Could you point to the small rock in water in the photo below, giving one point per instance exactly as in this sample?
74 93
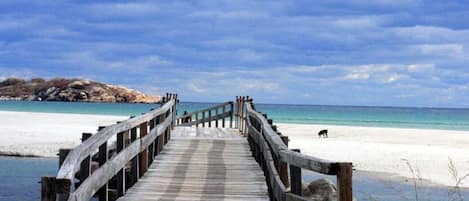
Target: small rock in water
321 190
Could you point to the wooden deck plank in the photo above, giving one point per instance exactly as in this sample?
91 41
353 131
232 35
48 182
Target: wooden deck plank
202 164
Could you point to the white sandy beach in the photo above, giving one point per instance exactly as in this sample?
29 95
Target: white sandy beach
42 134
384 149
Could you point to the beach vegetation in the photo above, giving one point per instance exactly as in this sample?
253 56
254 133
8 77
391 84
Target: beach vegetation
420 192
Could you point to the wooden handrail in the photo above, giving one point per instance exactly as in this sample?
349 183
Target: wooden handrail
104 173
138 152
207 116
74 158
206 109
270 151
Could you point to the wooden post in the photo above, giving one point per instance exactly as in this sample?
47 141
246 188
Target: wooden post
244 114
203 117
238 112
344 182
165 133
241 114
120 145
62 155
134 167
175 109
184 119
63 188
224 118
216 120
156 143
283 167
210 118
151 148
102 158
295 178
161 137
143 156
232 113
274 127
85 164
196 118
48 189
235 113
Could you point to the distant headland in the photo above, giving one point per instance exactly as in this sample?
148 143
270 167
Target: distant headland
70 90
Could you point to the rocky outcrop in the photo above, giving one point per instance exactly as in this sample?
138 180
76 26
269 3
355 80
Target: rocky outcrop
60 89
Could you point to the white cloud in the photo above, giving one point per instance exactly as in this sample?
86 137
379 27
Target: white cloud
421 67
259 85
305 69
194 88
123 9
354 23
430 34
392 78
364 72
237 14
92 59
250 55
441 49
357 76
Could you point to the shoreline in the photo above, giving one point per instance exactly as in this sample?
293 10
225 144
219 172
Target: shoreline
371 126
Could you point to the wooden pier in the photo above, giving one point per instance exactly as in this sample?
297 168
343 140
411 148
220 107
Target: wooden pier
227 152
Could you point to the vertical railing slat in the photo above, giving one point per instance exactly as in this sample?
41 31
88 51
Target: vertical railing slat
102 158
224 118
295 178
120 145
216 120
134 163
210 118
85 164
143 156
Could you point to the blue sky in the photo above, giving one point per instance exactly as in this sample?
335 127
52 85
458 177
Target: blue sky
358 52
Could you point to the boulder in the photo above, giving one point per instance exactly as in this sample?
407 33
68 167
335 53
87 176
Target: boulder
79 84
60 89
82 96
321 190
11 81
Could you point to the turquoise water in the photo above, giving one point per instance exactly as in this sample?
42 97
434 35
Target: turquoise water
126 109
400 117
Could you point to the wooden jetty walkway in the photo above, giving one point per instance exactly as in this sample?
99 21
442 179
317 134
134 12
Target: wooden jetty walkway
227 152
202 164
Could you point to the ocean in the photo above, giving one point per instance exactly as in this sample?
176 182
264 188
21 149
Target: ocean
20 176
396 117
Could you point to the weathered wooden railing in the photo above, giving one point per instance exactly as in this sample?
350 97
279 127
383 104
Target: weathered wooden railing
223 112
270 149
137 141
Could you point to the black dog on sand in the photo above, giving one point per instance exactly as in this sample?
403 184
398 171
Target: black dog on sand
323 133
